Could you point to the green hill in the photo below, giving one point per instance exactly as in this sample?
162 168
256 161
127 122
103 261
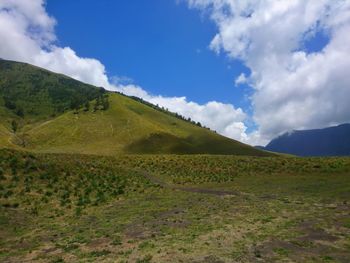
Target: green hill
54 113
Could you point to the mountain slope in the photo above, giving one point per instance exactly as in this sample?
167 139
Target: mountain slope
128 127
34 93
333 141
125 125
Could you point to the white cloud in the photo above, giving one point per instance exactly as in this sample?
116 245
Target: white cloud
216 115
27 34
293 89
241 79
121 80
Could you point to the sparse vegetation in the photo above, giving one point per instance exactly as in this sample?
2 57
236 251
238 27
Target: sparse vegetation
14 126
158 208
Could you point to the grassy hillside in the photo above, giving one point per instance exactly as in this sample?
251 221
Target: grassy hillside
131 127
34 93
170 208
54 113
6 133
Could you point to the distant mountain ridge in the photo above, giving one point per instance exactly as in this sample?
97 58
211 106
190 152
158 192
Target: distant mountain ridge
332 141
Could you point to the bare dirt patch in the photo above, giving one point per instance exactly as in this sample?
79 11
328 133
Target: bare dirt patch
173 218
314 243
157 181
209 259
99 242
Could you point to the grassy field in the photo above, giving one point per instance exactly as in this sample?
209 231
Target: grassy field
156 208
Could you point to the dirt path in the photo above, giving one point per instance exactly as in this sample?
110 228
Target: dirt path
189 189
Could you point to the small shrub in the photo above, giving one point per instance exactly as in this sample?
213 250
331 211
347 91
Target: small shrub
57 260
78 211
100 253
146 259
117 241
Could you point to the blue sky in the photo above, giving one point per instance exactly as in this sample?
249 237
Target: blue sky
161 45
250 77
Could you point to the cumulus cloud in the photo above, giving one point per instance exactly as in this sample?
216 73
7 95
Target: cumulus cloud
241 79
224 117
293 88
27 34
